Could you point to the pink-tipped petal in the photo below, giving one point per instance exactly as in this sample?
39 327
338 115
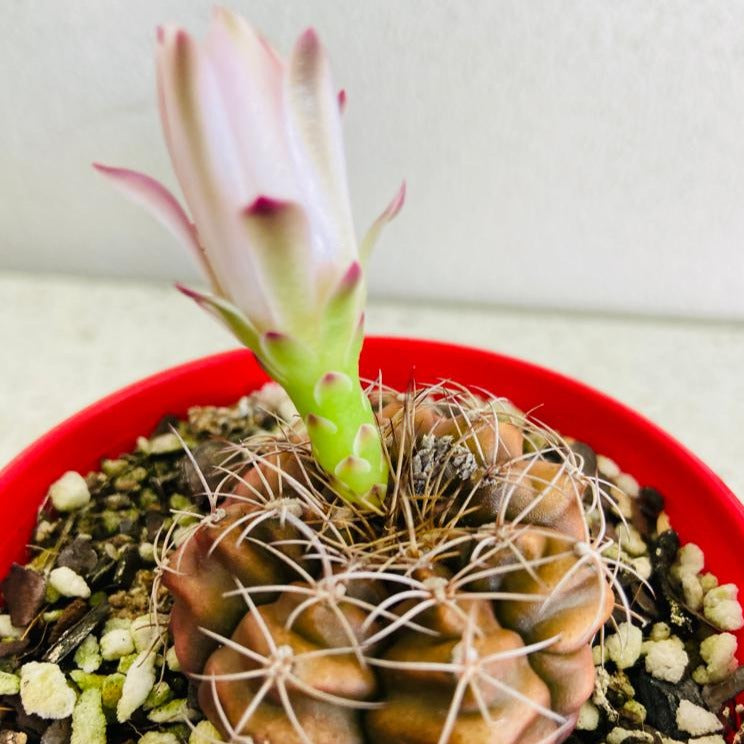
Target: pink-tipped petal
224 311
156 199
279 234
206 158
317 145
342 100
389 213
249 76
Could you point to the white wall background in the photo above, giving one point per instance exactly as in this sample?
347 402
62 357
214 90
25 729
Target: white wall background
572 153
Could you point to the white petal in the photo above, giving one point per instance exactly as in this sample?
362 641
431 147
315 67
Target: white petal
314 122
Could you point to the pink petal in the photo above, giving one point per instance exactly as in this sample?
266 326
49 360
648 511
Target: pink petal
206 159
248 76
389 213
226 312
314 122
279 234
157 200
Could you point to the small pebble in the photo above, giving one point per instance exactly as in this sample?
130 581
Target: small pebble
69 584
155 737
628 483
171 660
70 492
7 629
607 467
45 692
719 654
12 737
722 609
624 647
9 683
88 719
690 559
619 735
630 540
666 660
205 733
147 552
164 444
695 720
172 711
88 654
146 632
116 643
139 680
588 717
660 631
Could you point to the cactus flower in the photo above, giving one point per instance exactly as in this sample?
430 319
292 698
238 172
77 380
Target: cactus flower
257 148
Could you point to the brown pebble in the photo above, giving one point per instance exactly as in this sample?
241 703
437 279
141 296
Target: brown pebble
716 695
12 737
58 733
70 615
11 648
79 555
24 594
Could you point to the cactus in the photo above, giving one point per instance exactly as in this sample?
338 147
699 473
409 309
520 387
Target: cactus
461 611
412 568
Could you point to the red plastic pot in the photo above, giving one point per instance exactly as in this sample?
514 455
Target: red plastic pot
701 507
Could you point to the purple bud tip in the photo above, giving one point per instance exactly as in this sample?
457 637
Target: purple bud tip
274 336
188 292
264 206
342 100
352 276
397 204
309 38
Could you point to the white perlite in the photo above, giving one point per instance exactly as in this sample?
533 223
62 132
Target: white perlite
607 467
619 735
624 647
630 540
137 685
666 660
68 583
9 683
712 739
116 643
171 660
204 733
690 559
146 632
45 692
628 483
154 737
88 654
719 654
722 609
88 719
588 717
7 629
70 492
695 720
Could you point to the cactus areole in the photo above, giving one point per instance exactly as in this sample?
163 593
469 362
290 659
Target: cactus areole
418 568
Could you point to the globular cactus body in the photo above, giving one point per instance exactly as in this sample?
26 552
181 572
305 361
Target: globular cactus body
461 611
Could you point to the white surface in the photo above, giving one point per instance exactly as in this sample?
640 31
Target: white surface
67 342
559 153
